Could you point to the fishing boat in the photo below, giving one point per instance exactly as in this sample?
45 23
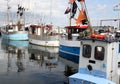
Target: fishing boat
15 31
43 35
99 61
69 43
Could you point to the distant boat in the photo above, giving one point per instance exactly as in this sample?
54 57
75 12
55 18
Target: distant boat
43 35
15 31
70 43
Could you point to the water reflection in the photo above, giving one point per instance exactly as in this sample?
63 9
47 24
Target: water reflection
70 67
15 52
33 64
45 56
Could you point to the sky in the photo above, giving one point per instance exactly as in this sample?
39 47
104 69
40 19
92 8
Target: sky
53 10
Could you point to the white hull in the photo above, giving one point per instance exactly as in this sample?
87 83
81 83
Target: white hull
71 43
47 41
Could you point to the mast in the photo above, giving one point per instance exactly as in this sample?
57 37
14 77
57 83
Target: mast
117 8
8 12
51 11
21 17
70 19
73 10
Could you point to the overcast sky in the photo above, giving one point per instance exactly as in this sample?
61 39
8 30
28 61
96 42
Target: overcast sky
97 9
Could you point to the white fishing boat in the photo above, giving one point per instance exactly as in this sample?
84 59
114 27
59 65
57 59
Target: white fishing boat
69 43
43 35
15 31
99 61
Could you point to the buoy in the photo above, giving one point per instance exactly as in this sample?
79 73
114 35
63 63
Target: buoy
99 36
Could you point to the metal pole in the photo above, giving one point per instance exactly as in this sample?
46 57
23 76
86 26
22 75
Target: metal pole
117 8
8 11
51 2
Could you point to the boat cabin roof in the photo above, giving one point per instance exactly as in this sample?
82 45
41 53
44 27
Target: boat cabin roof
77 27
102 40
17 24
36 26
91 79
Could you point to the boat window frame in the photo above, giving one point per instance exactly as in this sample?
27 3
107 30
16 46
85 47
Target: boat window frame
89 50
98 55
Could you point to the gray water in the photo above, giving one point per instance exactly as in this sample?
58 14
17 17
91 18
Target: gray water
24 63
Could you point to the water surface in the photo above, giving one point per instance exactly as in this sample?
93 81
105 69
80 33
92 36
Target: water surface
24 63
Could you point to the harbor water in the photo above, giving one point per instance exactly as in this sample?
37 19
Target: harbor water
24 63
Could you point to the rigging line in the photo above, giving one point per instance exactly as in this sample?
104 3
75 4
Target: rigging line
51 11
86 12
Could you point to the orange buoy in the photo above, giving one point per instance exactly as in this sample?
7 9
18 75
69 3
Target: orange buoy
99 36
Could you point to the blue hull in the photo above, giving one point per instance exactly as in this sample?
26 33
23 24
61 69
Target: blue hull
17 36
15 43
70 53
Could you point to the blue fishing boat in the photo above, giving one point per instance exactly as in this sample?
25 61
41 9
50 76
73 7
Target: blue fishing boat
69 43
15 31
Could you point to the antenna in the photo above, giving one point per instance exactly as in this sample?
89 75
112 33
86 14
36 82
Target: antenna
51 1
8 12
117 8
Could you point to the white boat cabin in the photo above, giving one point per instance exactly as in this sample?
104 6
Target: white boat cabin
98 63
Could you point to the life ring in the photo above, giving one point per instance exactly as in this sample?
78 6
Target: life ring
99 36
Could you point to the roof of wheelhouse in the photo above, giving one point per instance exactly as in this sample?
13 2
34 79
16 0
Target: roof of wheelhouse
102 40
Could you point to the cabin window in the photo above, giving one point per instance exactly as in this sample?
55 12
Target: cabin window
99 53
86 51
75 31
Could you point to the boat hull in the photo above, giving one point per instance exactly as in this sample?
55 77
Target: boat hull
70 50
44 43
37 49
47 41
15 36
